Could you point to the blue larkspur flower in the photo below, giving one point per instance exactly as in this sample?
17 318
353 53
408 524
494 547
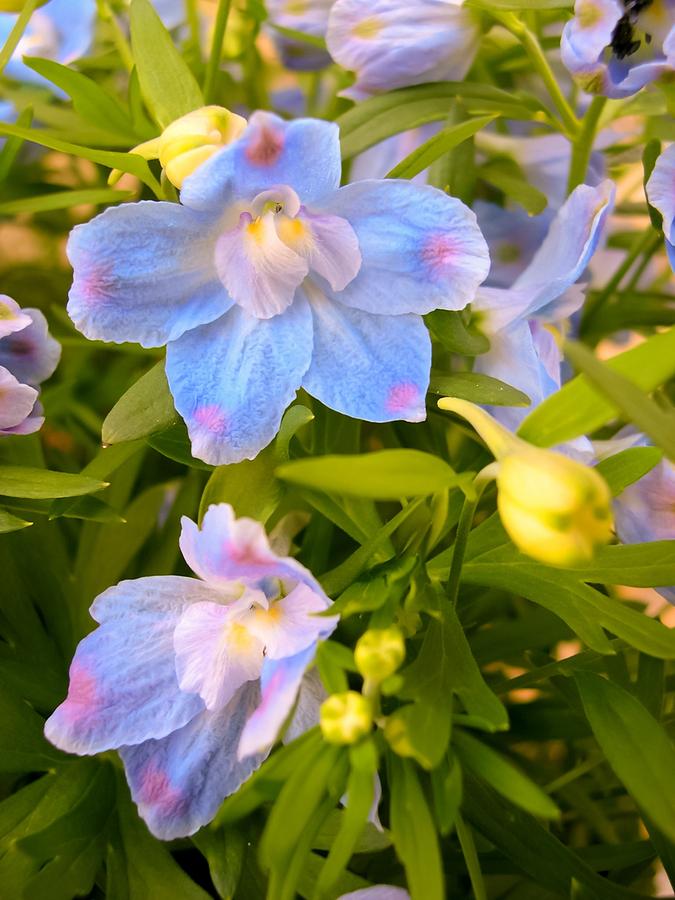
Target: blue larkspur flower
192 679
307 16
395 43
61 30
269 277
616 47
28 356
523 350
661 195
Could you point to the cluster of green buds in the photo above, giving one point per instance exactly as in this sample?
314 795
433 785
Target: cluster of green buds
348 717
553 508
189 141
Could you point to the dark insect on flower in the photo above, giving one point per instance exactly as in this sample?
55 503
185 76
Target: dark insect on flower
623 44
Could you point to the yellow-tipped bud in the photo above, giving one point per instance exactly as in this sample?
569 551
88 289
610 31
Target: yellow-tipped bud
189 141
554 508
346 718
379 652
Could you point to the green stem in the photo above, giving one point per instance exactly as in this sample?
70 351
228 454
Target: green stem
216 53
538 59
468 846
463 531
17 31
118 36
583 143
645 242
192 16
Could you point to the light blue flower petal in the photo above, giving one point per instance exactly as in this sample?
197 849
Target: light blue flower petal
366 366
645 512
145 272
31 354
171 12
514 359
394 43
123 684
179 782
571 241
512 236
61 30
12 317
280 684
661 190
226 550
16 401
248 372
303 153
420 249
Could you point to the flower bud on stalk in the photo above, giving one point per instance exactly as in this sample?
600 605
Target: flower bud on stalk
379 652
346 718
189 141
555 509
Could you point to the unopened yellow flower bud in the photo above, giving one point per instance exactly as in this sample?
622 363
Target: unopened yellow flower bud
189 141
554 508
379 652
346 718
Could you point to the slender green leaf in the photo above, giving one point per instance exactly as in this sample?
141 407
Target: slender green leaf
146 408
503 776
384 475
627 398
636 746
428 152
578 408
507 176
8 522
448 327
40 484
63 200
477 388
169 87
628 466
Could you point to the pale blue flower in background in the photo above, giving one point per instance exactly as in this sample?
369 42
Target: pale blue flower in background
62 30
192 679
513 237
524 351
615 48
28 356
395 43
661 195
273 277
308 16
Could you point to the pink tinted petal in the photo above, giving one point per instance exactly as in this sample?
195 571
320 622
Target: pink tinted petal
259 271
16 400
123 684
290 624
31 354
216 653
226 549
179 781
280 684
328 244
12 318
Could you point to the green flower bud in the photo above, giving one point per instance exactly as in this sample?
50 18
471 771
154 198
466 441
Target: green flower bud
189 141
555 509
379 652
346 718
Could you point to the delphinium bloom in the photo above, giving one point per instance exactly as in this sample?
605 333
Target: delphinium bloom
28 356
191 679
661 195
270 277
616 47
61 30
307 16
645 510
513 237
523 349
395 43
